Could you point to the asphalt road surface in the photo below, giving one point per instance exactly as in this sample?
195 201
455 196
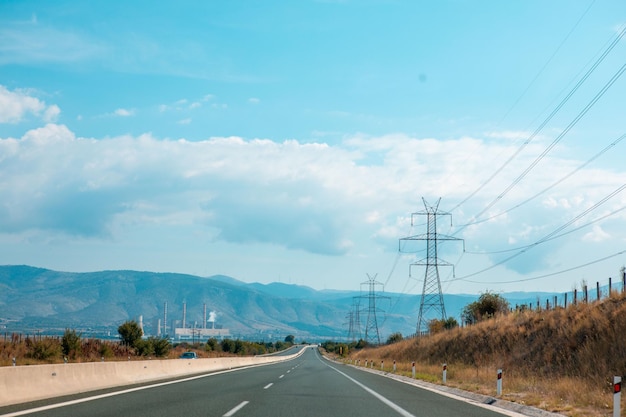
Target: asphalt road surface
308 386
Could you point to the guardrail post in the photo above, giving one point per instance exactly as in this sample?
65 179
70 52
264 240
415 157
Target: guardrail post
413 370
499 383
445 372
617 395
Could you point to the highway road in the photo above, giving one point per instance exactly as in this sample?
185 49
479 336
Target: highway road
308 386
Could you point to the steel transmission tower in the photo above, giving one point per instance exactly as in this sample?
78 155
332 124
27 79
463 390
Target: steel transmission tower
354 317
371 329
431 305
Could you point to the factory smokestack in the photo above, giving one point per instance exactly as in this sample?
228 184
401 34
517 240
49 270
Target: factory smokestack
204 321
165 319
184 313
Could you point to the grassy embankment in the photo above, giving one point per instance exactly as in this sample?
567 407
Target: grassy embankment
559 360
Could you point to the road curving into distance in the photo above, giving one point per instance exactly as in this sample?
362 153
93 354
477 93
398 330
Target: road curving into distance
306 386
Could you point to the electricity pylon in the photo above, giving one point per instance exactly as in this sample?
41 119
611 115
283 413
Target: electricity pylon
431 304
354 317
371 329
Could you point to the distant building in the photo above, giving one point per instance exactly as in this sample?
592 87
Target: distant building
188 333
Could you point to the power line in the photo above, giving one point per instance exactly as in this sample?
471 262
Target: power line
550 235
596 156
546 275
543 124
547 62
536 77
557 139
552 238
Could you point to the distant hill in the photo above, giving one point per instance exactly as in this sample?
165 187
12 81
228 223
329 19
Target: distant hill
35 299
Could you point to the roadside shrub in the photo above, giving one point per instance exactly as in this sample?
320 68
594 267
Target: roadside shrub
45 349
71 343
394 338
487 306
144 347
212 345
160 345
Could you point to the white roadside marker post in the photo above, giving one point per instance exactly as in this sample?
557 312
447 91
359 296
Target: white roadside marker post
413 369
617 395
445 372
499 383
394 366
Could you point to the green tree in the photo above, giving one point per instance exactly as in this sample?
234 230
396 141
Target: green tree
161 346
488 305
212 344
394 338
290 339
143 347
361 344
228 345
130 333
438 325
450 323
71 343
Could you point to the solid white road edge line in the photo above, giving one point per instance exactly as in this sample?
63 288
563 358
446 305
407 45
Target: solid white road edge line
387 402
498 410
126 391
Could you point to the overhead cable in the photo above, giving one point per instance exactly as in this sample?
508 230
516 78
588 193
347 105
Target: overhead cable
543 124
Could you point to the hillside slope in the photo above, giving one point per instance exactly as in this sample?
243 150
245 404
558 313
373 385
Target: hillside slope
562 360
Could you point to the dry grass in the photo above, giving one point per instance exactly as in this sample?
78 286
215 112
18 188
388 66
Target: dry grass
560 360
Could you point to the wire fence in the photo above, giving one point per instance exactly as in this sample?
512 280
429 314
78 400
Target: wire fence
586 294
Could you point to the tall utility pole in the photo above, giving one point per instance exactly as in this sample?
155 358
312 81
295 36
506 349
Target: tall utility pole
431 305
351 336
354 317
371 329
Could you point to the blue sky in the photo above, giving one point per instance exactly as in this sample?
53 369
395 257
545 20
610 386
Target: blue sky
291 140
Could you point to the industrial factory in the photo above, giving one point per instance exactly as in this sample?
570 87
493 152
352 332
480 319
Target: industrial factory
192 331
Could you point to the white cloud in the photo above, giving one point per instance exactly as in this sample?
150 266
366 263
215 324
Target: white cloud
254 100
52 113
184 121
16 105
597 234
312 197
124 112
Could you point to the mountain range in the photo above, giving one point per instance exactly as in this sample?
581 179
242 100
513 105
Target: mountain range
36 300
